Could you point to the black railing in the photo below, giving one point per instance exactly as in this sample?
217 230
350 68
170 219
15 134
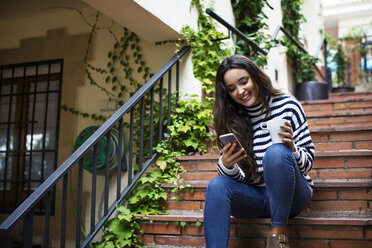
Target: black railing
68 228
258 49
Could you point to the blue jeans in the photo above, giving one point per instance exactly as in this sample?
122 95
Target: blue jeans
285 195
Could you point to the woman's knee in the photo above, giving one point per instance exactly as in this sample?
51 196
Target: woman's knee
278 159
218 186
277 154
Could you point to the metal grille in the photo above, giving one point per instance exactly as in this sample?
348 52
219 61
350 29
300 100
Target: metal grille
30 96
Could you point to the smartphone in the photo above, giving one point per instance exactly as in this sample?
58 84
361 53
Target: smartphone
230 138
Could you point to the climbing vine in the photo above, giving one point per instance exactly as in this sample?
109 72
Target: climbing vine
188 133
250 20
206 53
301 62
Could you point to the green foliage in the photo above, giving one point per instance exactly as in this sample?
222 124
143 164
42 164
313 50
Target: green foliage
250 20
341 60
292 16
206 54
189 129
123 231
302 63
116 80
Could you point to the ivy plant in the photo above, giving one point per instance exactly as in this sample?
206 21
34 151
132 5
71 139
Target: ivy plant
250 20
302 63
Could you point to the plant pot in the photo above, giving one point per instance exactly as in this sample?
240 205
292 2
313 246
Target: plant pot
311 90
343 89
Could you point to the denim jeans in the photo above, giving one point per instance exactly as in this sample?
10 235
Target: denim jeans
285 195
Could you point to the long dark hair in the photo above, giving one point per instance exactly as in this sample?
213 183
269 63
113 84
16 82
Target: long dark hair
231 117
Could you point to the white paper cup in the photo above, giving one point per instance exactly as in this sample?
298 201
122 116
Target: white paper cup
274 128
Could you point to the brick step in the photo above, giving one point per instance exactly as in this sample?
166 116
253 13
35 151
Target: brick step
340 197
303 232
337 105
339 119
335 165
349 95
342 138
352 164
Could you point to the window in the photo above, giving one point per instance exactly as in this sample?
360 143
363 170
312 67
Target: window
29 121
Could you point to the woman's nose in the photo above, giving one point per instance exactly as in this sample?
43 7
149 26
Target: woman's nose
240 90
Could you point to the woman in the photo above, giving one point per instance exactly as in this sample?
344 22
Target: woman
261 179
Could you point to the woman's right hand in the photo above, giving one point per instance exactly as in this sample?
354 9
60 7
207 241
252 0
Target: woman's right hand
230 155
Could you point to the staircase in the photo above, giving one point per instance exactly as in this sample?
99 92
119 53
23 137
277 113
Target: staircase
339 215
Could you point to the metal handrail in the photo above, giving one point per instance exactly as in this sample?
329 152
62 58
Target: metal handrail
24 211
273 38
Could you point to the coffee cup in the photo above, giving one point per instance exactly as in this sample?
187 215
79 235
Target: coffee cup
274 128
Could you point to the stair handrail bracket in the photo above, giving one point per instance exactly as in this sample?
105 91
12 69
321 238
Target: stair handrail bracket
23 210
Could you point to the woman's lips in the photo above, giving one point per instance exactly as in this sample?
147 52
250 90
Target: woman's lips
245 98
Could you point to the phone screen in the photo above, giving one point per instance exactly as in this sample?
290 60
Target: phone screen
229 138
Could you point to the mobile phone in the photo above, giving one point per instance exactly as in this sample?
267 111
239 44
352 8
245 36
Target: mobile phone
230 138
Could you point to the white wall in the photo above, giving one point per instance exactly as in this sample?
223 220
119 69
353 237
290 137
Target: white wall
176 14
277 60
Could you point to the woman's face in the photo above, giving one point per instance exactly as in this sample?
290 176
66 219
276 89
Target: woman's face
241 88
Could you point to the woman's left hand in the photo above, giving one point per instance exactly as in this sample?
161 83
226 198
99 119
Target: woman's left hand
287 135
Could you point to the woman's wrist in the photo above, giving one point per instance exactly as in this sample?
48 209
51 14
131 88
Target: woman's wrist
296 153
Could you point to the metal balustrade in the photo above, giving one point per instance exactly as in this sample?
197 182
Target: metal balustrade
59 225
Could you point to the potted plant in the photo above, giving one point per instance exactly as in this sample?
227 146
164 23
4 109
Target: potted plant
341 61
307 87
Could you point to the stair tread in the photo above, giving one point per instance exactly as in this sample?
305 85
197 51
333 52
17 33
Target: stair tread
324 183
355 152
317 218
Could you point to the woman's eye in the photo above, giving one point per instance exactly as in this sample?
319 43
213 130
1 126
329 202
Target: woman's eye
245 81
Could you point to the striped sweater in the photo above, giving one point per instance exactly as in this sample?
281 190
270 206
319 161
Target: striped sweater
284 107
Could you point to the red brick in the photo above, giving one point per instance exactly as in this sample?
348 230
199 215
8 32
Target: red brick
207 165
199 176
357 194
329 163
160 228
189 166
345 174
360 105
331 233
192 230
359 162
369 233
350 244
313 174
352 136
319 137
330 121
359 119
308 243
338 205
147 239
197 195
363 144
185 205
180 241
333 146
324 195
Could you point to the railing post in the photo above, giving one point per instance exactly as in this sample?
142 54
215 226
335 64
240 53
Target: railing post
6 238
326 70
28 221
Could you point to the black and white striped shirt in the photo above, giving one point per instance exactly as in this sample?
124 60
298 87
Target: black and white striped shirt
283 107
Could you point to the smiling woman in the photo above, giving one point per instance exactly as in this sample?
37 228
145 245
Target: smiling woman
261 179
